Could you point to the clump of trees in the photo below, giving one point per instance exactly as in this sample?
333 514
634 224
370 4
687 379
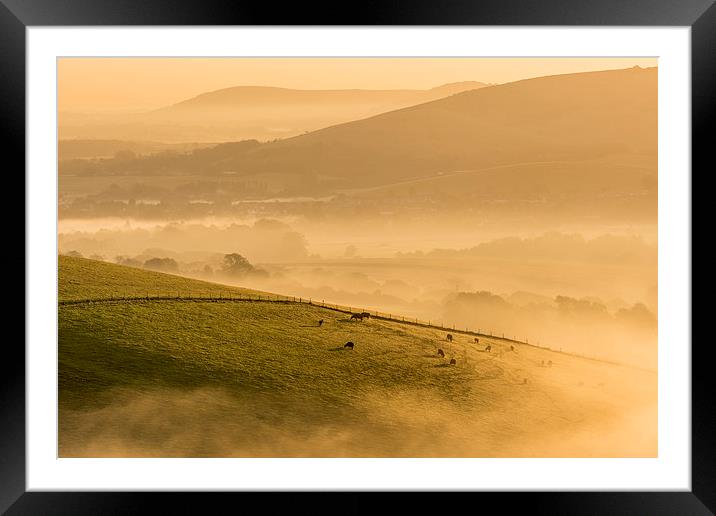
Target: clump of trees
162 264
237 266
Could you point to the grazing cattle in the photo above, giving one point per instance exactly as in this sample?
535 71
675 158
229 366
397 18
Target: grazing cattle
488 348
348 345
512 348
477 341
441 353
366 315
453 361
357 316
320 323
449 337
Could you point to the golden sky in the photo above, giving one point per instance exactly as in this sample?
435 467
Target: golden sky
116 84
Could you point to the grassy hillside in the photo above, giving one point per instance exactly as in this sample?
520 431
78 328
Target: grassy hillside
201 378
80 278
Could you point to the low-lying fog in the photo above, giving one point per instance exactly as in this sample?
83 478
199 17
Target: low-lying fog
592 291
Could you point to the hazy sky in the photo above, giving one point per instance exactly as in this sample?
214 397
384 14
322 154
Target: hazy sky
98 84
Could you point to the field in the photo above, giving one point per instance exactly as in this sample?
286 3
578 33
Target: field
202 378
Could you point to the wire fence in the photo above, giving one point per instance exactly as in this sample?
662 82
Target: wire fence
276 298
224 297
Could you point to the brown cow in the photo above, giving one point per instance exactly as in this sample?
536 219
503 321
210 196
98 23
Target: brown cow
441 353
348 345
477 341
357 316
366 315
320 323
488 348
453 361
449 337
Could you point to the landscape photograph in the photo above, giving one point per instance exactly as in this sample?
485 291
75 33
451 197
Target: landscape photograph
391 257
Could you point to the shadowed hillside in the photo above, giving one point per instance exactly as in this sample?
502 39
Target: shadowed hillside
564 117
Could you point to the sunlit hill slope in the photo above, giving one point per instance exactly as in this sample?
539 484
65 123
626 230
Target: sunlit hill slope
187 377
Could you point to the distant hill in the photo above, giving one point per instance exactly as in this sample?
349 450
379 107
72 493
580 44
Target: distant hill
251 112
565 118
247 98
198 378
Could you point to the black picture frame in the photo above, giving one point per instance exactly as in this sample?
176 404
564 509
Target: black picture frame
17 15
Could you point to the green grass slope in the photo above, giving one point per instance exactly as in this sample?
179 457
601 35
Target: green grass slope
196 378
81 278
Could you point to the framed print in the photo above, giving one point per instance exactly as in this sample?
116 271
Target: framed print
409 251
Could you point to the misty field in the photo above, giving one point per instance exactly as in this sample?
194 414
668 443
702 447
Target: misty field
196 378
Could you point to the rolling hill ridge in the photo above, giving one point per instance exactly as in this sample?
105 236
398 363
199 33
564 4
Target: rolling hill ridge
250 112
538 120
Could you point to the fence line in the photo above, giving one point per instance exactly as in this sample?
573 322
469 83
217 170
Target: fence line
225 297
275 298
